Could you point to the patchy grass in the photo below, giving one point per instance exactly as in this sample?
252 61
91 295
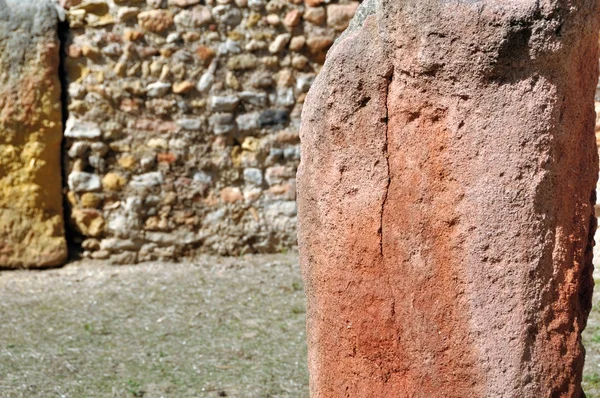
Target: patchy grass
217 328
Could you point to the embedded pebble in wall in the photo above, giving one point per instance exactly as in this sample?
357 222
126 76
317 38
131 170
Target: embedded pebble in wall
317 45
229 47
299 62
80 181
258 99
190 124
82 129
285 96
98 163
147 180
124 221
147 162
116 245
255 45
127 13
158 89
112 49
242 62
253 176
99 148
157 143
222 123
297 42
178 144
248 121
231 195
273 117
292 18
89 222
155 20
273 20
226 15
202 177
252 194
207 79
292 153
339 15
278 174
194 18
173 37
183 87
279 43
113 182
304 81
223 103
251 144
315 15
120 146
76 91
78 149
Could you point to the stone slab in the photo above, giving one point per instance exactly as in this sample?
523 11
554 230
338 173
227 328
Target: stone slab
31 212
445 199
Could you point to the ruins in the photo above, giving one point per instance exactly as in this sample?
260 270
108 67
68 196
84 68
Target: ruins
180 121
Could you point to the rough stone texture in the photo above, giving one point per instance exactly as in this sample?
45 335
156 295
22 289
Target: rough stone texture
31 214
446 196
187 113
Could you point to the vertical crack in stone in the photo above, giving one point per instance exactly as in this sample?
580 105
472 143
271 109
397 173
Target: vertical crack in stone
389 78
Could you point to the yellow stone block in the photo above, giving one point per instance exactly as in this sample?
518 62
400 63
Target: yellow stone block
31 213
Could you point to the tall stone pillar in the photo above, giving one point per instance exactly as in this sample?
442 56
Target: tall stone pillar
446 197
31 214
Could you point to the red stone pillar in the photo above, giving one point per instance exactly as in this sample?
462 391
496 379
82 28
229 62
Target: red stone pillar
446 197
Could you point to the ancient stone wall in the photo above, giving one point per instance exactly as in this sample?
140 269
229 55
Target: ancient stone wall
183 116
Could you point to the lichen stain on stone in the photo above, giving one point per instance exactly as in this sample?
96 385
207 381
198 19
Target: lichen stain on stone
31 214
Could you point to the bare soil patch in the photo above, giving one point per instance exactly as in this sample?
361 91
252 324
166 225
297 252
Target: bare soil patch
212 327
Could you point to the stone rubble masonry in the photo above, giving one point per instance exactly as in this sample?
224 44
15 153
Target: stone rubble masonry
446 196
31 212
182 132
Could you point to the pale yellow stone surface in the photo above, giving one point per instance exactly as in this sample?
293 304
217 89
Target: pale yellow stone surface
31 212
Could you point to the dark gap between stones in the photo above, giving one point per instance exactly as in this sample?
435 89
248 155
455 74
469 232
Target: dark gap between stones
64 35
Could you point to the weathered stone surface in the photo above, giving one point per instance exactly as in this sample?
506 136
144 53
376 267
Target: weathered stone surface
31 214
446 196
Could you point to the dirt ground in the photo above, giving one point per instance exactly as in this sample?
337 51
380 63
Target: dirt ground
212 327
